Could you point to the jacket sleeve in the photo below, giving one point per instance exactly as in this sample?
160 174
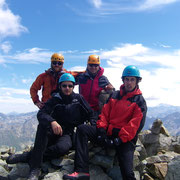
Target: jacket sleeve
87 112
44 115
103 122
103 81
135 125
105 84
35 87
75 73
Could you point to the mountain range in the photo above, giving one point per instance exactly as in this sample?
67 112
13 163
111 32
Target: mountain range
18 130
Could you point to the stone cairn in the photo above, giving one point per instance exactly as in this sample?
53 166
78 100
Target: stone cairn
157 157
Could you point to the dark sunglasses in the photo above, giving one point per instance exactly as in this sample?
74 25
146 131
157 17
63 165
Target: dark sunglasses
95 65
57 62
67 85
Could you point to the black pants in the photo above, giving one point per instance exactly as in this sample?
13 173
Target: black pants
48 145
125 152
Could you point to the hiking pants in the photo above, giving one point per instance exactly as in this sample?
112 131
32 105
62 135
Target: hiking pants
125 152
48 145
84 133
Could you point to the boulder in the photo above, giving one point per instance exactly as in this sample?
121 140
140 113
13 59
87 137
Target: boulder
173 172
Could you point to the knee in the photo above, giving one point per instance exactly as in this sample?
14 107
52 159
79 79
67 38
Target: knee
62 150
46 130
82 130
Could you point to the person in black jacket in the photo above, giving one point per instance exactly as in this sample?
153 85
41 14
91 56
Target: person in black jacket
57 120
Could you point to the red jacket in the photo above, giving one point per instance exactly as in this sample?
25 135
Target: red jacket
90 87
124 111
48 82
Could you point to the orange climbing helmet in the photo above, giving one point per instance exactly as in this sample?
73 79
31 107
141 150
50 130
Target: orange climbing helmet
93 59
57 57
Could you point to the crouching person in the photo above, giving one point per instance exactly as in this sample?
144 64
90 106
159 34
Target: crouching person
120 121
57 120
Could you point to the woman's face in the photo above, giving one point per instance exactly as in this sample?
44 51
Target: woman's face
67 87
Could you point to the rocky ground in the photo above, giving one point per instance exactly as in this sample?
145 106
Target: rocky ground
157 157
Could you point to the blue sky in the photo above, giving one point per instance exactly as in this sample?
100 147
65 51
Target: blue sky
145 33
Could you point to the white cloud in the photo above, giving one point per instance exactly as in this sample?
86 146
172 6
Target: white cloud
93 51
140 55
27 81
149 4
10 24
125 50
159 44
103 8
30 56
96 3
16 100
5 46
165 46
19 105
2 60
39 55
4 91
77 68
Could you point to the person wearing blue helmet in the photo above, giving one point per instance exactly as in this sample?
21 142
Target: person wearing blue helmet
131 77
57 120
120 121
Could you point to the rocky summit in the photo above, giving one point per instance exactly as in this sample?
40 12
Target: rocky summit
18 130
157 157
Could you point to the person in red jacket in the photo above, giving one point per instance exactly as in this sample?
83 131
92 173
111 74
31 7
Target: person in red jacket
92 82
48 81
121 119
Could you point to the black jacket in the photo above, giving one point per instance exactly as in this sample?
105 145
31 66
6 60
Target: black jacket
68 111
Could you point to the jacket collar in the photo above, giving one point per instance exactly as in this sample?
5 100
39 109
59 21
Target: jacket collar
136 91
51 72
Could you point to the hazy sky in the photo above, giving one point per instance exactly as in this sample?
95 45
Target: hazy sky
145 33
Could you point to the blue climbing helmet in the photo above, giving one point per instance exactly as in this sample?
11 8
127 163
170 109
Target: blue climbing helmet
131 70
67 77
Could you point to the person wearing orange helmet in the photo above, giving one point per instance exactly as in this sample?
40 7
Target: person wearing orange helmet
92 82
48 80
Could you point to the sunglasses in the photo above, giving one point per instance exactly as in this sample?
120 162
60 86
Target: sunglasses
95 65
57 62
67 85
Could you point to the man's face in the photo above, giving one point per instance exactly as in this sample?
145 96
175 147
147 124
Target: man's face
130 83
93 68
57 66
67 87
